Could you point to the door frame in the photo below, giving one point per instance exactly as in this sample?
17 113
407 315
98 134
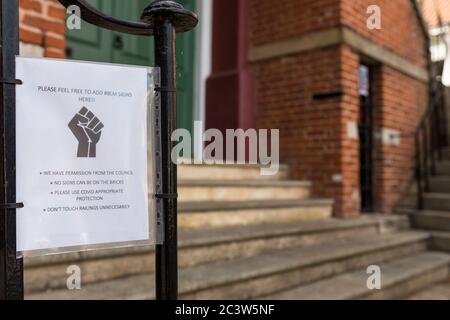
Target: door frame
202 70
366 127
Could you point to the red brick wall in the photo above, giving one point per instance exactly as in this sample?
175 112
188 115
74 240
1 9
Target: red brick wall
309 140
279 20
42 23
272 21
314 139
400 31
400 101
350 195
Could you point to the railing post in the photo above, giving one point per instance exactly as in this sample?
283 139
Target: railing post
436 129
166 254
434 143
426 155
443 134
166 18
419 172
11 268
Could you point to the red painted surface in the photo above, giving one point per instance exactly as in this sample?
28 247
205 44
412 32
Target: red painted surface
230 102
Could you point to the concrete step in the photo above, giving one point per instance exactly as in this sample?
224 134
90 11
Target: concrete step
440 240
242 190
446 154
228 172
199 215
443 168
437 201
202 246
253 277
440 184
440 291
432 220
399 278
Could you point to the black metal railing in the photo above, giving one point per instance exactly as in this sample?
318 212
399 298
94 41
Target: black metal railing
431 137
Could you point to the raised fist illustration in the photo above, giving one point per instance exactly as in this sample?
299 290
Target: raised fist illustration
87 128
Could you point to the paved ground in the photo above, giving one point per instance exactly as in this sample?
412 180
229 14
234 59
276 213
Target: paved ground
436 292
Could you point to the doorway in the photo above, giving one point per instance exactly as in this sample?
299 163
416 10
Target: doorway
95 44
366 145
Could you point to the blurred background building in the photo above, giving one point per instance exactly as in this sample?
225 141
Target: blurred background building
437 17
361 118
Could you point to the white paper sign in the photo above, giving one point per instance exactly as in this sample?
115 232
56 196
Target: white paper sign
81 153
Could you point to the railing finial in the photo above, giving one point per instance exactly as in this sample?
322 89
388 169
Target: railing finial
182 19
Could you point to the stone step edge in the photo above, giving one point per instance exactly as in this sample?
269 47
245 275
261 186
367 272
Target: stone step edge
281 166
245 183
341 252
430 261
437 195
372 244
440 234
440 177
236 234
432 213
188 207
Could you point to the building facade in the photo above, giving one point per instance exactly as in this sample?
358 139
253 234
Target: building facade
437 16
346 98
356 148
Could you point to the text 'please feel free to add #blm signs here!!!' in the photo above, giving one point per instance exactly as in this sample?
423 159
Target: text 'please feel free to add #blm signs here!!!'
81 149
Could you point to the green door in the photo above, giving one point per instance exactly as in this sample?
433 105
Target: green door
96 44
185 66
